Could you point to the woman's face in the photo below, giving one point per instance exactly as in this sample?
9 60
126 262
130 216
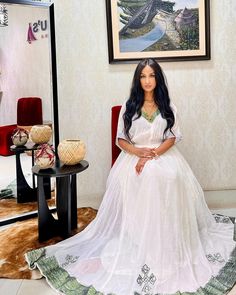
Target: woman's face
148 79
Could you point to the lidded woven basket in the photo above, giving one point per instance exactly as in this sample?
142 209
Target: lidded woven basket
71 151
40 133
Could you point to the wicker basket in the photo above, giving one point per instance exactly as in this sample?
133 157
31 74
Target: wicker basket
40 134
71 151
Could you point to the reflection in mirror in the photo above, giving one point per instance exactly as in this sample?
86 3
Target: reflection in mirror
27 69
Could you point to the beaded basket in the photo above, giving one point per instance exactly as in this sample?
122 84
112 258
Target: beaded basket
44 156
19 137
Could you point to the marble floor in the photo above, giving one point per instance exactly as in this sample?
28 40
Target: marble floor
36 287
223 202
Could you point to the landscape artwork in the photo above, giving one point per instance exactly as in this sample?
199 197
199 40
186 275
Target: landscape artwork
169 30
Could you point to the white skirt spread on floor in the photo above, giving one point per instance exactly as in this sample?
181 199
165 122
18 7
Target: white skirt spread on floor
153 233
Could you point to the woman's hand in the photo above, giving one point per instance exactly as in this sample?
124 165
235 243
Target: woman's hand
141 163
145 152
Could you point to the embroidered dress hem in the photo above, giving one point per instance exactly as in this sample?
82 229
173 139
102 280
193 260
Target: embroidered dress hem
60 280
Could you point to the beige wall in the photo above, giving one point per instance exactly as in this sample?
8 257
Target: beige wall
24 67
204 92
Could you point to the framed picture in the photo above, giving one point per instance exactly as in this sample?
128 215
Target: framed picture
177 30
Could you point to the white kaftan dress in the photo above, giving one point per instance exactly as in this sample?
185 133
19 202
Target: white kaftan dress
153 233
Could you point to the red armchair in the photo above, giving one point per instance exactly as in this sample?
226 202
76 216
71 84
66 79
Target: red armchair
5 139
115 150
29 113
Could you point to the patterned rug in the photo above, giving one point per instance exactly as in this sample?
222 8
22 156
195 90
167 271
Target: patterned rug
23 237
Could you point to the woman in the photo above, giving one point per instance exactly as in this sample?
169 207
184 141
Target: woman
153 233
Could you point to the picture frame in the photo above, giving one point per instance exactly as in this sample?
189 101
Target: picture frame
165 30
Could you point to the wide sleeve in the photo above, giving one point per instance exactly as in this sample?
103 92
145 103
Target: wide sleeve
175 129
120 127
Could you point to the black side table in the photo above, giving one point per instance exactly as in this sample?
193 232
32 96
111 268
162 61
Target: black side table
66 200
24 192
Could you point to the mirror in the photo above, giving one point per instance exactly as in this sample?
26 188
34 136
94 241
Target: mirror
27 69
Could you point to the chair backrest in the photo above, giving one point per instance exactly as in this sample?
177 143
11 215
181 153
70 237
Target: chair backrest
115 150
29 111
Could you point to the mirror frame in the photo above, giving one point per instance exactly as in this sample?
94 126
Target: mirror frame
54 86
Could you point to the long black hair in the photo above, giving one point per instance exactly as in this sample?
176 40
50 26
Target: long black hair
136 99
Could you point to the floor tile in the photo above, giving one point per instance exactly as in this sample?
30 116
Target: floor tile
221 199
9 287
233 291
35 287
